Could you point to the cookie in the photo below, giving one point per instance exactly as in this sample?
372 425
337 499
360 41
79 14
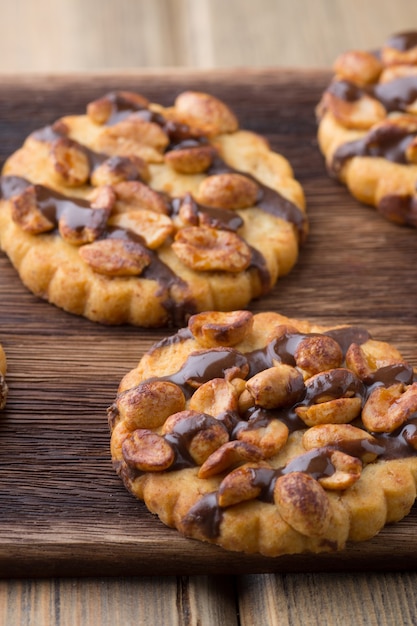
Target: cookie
137 213
367 127
3 384
265 434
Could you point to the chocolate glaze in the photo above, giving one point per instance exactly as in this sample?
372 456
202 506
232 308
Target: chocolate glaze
206 514
400 209
403 41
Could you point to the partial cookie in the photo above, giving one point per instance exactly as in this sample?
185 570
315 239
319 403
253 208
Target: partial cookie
368 127
3 384
270 435
136 213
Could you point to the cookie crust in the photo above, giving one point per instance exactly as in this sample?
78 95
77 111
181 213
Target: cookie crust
367 126
265 434
143 214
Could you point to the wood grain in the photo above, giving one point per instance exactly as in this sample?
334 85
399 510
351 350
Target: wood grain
63 510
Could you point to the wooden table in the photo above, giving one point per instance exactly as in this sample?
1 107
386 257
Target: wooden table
65 513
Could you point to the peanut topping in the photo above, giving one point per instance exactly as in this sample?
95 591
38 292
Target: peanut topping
228 191
342 435
100 110
149 404
115 257
347 471
316 354
194 160
303 503
270 439
135 195
133 136
208 249
215 328
153 227
357 114
25 212
358 67
147 452
388 408
200 433
238 486
215 397
276 386
70 162
228 456
210 115
338 411
118 169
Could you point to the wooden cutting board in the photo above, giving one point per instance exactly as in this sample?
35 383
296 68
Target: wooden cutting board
63 511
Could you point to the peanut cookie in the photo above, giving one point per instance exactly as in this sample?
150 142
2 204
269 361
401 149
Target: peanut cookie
143 214
3 384
368 127
270 435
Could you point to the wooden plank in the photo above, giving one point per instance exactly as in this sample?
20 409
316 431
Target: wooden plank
118 601
64 512
368 599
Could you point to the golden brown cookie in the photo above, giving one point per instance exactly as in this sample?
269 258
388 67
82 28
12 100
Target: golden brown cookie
270 435
136 213
3 384
368 126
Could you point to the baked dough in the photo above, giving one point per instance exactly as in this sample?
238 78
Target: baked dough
368 126
143 214
3 384
270 435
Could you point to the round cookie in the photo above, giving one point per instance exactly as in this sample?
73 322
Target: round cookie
143 214
368 126
264 434
3 384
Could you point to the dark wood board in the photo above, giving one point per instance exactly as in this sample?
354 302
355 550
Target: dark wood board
63 511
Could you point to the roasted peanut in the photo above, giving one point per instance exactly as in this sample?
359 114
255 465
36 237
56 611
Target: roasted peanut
228 456
347 471
204 111
358 66
135 195
215 397
70 162
270 439
79 234
303 503
228 191
147 452
387 408
318 353
118 169
361 114
115 257
100 110
193 160
149 404
133 136
26 214
208 249
153 227
337 411
348 438
238 486
278 386
370 356
216 328
200 433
